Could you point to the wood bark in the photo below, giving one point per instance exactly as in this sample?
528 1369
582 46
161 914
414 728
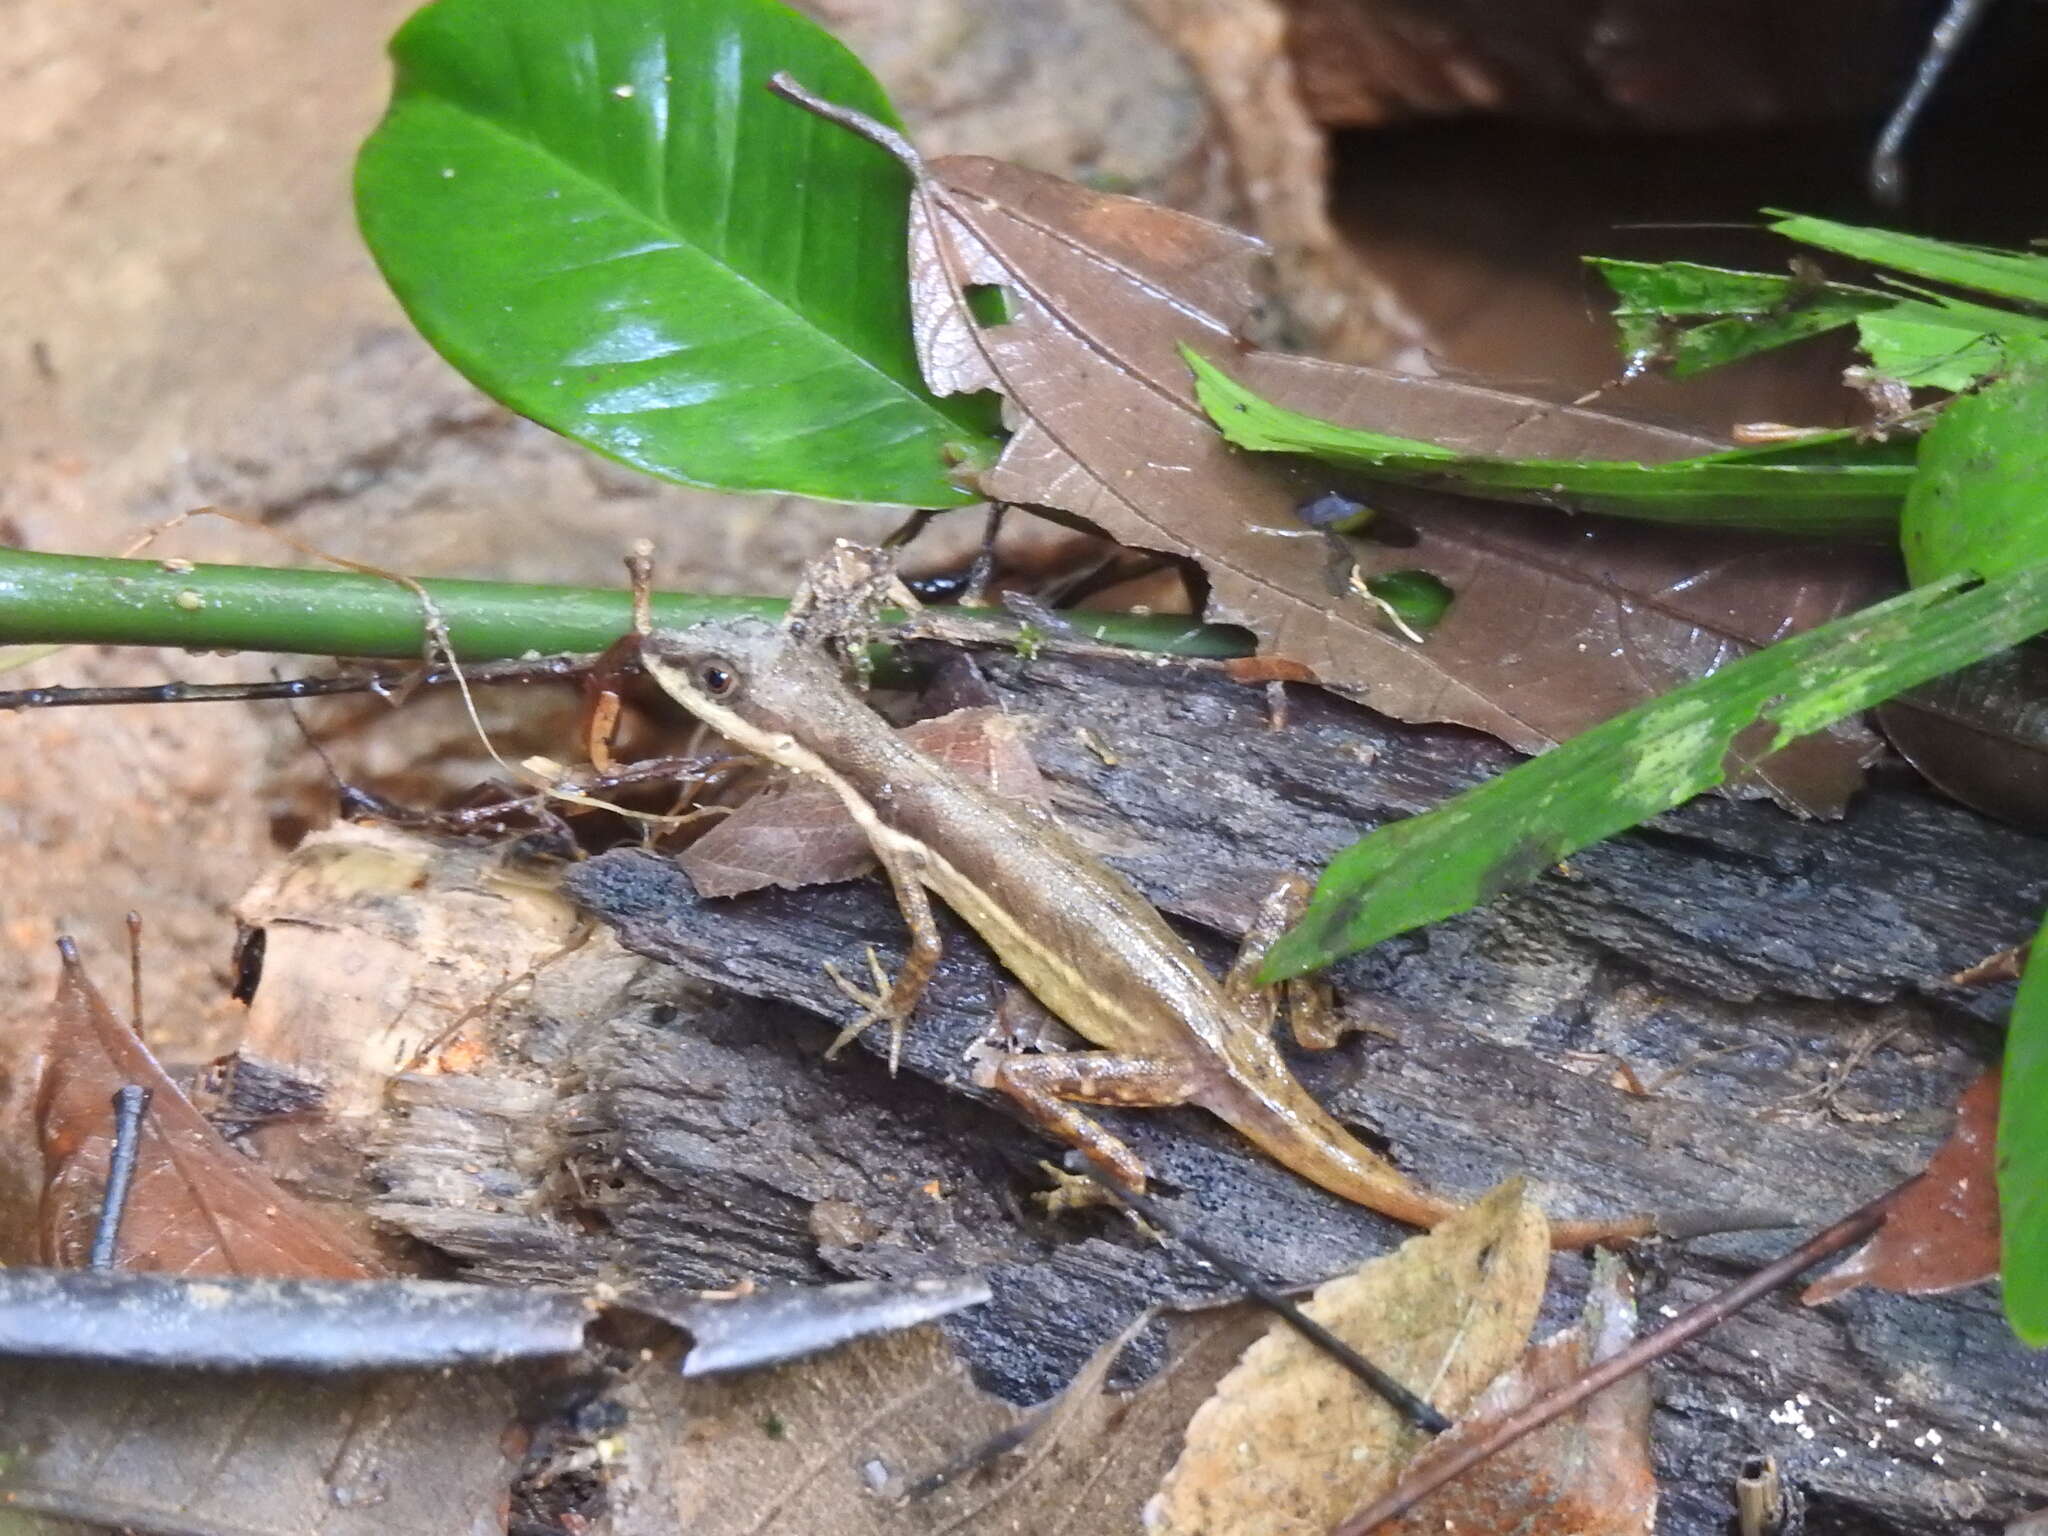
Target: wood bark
1780 984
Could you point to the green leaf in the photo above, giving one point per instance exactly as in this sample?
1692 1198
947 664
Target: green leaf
598 213
1695 318
1980 502
1507 831
1846 489
1941 345
2023 1153
2014 275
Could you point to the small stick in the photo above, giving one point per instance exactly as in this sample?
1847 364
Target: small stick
1853 1228
135 972
906 532
640 575
1410 1405
129 1104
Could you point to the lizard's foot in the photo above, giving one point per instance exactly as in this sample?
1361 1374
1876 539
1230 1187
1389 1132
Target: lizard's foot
875 1006
1069 1192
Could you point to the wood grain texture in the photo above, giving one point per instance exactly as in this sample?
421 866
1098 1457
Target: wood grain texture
696 1134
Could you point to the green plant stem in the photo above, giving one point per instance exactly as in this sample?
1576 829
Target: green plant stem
92 600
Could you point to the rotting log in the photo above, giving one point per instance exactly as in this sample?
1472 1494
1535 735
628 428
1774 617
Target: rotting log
1732 957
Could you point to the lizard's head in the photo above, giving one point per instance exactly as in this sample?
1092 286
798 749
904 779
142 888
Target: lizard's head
750 680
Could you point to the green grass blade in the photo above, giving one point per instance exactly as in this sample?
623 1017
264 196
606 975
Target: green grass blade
2014 275
1979 504
1823 494
2023 1154
1692 317
1507 831
599 215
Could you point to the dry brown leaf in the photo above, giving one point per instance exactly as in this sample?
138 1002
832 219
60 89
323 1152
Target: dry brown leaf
196 1206
1558 621
1942 1233
1981 734
1587 1474
829 1447
1291 1443
797 832
258 1453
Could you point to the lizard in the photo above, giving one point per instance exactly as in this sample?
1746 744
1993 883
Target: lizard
1077 934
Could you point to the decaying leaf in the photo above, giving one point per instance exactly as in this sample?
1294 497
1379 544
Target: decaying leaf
797 832
1073 305
891 1437
1587 1474
1981 734
196 1206
1291 1443
1942 1234
204 1453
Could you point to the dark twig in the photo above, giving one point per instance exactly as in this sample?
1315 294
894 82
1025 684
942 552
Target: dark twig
130 1103
1887 158
1411 1406
385 684
983 570
1716 1310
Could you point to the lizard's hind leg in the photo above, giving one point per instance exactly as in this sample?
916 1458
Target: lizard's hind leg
1310 1007
1047 1087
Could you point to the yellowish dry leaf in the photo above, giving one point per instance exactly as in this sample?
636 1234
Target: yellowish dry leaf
1291 1443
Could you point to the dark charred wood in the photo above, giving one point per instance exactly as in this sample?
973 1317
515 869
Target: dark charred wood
695 1136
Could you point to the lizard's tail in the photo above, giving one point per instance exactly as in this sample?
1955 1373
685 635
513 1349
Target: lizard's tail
1300 1134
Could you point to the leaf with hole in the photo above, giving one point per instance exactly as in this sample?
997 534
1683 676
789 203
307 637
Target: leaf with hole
1552 623
602 218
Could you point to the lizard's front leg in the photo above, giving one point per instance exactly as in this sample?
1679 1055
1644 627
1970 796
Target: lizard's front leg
1310 1011
898 1000
1047 1087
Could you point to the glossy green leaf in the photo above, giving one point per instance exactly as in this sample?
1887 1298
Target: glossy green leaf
2015 275
1509 830
598 213
1979 504
1848 489
2023 1154
1691 317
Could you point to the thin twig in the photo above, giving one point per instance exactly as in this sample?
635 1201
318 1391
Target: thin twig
1851 1229
1409 1404
384 684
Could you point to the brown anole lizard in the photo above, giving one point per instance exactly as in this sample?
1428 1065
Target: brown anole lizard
1076 933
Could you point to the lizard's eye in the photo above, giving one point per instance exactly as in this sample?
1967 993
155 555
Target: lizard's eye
717 679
